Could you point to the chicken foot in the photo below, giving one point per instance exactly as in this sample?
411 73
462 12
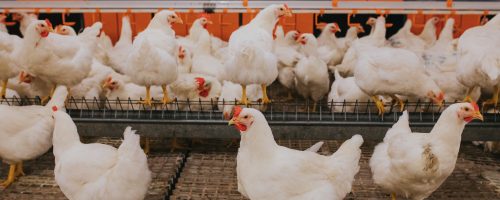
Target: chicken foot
145 142
46 99
147 101
315 105
399 102
4 88
166 99
265 98
494 99
379 104
393 196
15 170
243 100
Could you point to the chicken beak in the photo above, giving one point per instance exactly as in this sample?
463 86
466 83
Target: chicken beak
233 121
210 22
478 115
178 20
288 12
105 85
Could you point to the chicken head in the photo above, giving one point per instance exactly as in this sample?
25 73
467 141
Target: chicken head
25 77
469 112
110 84
205 20
43 27
203 86
241 120
436 97
283 11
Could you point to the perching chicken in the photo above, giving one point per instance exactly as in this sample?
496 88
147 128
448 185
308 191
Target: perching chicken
285 49
42 53
198 89
479 58
26 132
351 35
203 61
152 60
249 58
441 62
266 170
377 39
8 64
346 90
429 32
405 39
98 171
231 94
379 72
415 164
24 19
199 25
122 47
311 73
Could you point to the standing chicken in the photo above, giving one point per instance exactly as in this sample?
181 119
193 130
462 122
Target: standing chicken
405 39
379 72
8 65
428 34
203 61
98 171
285 49
266 170
479 59
122 48
249 58
152 60
329 49
311 73
199 25
416 164
27 132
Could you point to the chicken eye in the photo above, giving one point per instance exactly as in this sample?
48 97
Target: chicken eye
42 25
113 83
246 117
466 109
281 9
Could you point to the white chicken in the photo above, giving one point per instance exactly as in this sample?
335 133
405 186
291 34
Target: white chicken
428 34
346 90
118 90
65 30
285 48
184 60
43 52
416 164
27 132
311 73
328 48
199 25
231 93
122 48
249 58
441 64
152 60
405 39
8 65
479 59
203 61
98 171
377 39
379 72
198 89
24 19
266 170
351 35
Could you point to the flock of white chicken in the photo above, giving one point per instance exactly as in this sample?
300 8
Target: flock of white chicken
54 65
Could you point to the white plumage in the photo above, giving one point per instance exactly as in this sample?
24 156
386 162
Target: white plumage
345 89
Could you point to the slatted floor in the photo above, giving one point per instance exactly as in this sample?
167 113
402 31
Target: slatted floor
207 171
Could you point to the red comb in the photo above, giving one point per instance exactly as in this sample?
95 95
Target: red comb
237 110
474 104
48 23
286 6
201 82
204 15
54 108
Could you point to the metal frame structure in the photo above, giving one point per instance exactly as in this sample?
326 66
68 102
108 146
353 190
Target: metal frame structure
291 120
334 6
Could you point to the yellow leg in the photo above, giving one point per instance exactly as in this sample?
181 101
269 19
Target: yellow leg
243 100
4 88
46 99
145 142
393 196
399 101
19 169
11 177
379 104
69 92
265 98
494 99
147 101
314 106
166 99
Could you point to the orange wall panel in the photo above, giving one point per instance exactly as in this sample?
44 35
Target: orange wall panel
141 21
229 23
110 25
304 22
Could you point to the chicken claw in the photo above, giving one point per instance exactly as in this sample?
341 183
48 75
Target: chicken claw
4 89
400 102
265 98
244 100
166 99
379 104
19 170
11 177
147 101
